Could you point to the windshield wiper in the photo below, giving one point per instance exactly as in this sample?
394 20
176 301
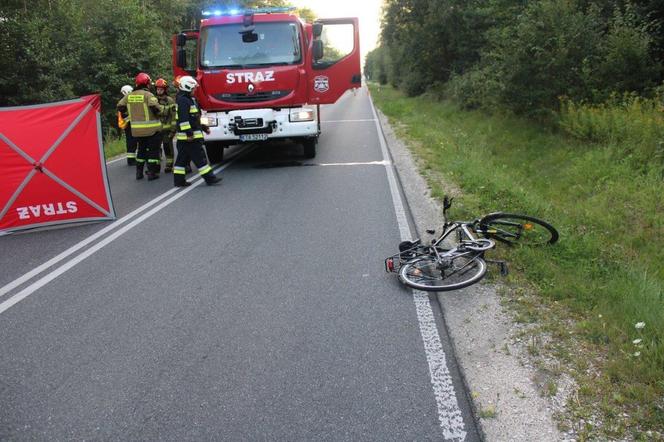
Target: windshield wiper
250 66
226 66
260 65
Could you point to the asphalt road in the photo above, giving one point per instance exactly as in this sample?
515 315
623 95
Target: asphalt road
254 310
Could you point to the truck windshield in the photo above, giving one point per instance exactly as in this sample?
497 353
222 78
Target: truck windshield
276 43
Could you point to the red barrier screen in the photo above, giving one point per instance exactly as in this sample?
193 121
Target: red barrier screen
52 167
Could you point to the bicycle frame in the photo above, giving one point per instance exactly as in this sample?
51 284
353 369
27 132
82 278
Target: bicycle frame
473 239
462 229
468 244
465 232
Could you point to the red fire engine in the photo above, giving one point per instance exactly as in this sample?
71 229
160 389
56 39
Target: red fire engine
264 73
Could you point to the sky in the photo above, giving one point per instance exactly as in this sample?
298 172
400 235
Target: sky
368 11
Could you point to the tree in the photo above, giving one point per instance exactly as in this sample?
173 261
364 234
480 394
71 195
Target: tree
60 50
518 54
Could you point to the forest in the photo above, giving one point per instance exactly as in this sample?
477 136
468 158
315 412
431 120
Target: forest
528 57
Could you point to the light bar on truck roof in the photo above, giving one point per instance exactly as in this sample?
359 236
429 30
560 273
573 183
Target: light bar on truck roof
232 12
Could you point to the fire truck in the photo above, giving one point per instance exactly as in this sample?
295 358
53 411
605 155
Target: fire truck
263 74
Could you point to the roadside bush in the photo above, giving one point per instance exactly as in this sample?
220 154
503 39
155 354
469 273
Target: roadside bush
377 65
548 52
477 88
633 123
413 83
625 64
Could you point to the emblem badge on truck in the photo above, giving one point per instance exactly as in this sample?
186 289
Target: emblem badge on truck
251 88
321 83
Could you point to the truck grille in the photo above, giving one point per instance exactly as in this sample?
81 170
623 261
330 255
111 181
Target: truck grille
253 98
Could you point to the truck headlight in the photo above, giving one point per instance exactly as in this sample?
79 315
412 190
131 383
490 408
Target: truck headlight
302 115
209 120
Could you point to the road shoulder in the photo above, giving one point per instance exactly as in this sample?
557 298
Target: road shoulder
505 386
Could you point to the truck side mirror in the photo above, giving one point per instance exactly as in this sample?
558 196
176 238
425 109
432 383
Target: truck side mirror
181 40
181 57
318 50
317 29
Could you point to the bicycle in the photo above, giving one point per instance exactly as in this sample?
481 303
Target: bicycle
437 268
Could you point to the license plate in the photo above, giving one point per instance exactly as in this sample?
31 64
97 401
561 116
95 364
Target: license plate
253 137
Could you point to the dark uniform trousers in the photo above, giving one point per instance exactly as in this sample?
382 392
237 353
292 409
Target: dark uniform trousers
132 144
148 152
167 144
191 151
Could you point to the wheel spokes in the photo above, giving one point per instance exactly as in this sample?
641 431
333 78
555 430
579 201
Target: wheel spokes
526 231
430 272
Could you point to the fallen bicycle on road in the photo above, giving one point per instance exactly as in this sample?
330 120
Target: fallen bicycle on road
438 267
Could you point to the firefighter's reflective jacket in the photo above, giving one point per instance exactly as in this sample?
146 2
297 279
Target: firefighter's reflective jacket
189 117
143 109
168 117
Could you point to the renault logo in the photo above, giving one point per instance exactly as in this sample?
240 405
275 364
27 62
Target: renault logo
251 88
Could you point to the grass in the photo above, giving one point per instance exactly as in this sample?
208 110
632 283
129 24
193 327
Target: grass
114 147
634 123
606 273
488 412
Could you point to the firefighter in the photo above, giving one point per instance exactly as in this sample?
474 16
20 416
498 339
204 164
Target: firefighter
124 124
190 136
168 119
176 83
144 109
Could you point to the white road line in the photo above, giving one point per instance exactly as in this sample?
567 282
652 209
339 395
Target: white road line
100 245
449 413
348 121
78 246
123 157
366 163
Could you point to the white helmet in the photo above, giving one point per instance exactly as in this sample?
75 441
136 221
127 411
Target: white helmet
126 89
187 83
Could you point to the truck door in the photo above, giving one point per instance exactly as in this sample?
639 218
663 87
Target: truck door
335 55
185 53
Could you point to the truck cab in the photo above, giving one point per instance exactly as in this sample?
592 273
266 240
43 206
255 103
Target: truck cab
263 73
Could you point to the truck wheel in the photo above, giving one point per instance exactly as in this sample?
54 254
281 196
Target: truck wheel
309 145
215 152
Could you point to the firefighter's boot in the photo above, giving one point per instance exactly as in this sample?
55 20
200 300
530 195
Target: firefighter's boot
169 165
153 170
154 166
180 180
139 170
211 179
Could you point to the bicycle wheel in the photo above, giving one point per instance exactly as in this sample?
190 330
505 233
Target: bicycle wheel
513 228
451 273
